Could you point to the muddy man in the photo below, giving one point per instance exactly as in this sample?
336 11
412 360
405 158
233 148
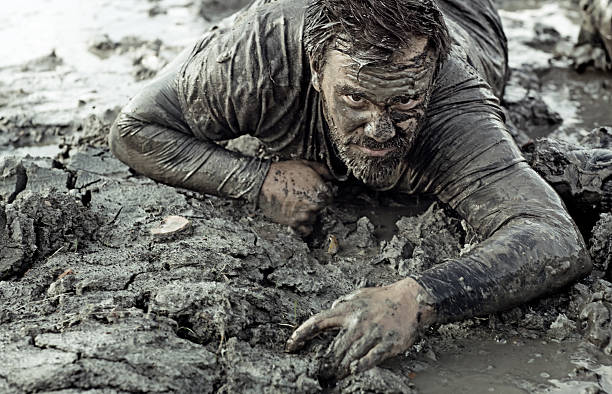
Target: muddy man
401 95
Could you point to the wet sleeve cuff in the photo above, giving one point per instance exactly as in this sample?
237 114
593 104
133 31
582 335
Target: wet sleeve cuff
452 294
244 178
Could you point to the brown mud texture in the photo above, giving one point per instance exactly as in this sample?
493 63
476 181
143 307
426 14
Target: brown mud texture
93 299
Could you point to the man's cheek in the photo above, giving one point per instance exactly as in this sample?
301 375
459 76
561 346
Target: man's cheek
348 120
408 126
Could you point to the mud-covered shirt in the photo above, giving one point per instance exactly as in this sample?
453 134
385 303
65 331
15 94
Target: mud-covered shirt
252 76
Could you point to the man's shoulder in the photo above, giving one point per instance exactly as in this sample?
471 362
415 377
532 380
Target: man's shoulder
251 75
459 82
264 38
270 14
264 7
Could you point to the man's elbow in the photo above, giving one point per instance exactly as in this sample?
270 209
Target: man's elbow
581 263
117 139
577 261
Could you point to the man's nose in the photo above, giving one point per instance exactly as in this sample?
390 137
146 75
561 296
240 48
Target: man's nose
380 128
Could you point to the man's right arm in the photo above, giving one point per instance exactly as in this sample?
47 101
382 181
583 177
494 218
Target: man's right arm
150 136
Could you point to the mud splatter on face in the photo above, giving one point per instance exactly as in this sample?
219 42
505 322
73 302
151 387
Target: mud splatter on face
375 112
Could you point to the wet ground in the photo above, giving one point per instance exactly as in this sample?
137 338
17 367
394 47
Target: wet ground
90 300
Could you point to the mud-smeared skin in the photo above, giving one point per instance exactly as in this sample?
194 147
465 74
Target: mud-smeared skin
375 323
376 108
253 79
294 192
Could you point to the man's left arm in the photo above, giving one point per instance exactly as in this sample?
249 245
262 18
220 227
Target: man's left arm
531 246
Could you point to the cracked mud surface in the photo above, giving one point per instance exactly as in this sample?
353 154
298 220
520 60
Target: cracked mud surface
91 301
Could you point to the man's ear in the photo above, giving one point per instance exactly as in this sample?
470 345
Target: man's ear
316 78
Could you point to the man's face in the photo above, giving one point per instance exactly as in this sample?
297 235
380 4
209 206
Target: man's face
374 112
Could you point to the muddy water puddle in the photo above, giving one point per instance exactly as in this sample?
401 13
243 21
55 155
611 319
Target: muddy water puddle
34 151
488 366
582 99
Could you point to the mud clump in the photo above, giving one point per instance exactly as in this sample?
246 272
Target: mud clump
36 225
147 56
37 175
595 315
97 293
44 63
424 240
528 111
600 245
581 175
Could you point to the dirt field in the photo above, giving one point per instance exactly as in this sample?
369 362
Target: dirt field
92 301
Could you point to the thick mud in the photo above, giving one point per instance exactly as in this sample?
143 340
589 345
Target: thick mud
92 300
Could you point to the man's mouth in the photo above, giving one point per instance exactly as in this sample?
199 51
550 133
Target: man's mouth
373 152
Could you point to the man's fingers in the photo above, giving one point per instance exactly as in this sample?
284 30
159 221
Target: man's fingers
358 349
340 346
375 356
320 322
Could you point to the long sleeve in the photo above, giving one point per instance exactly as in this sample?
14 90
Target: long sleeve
465 156
244 77
150 136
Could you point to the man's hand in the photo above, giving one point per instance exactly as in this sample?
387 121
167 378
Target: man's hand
294 192
375 324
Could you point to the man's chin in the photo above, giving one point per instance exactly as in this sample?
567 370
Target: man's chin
379 175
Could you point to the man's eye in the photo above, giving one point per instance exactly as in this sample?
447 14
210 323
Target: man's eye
354 98
406 103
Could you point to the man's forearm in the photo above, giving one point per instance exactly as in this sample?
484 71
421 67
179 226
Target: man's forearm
178 159
526 258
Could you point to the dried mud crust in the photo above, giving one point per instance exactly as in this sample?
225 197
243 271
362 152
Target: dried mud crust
93 301
581 174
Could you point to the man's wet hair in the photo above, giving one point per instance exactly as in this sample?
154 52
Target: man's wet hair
371 31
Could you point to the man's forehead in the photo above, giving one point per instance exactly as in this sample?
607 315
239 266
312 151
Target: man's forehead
412 59
410 75
403 57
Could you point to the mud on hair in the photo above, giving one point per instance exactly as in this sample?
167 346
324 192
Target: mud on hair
371 31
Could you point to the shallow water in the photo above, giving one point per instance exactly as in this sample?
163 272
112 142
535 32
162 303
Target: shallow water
82 83
497 367
582 100
34 151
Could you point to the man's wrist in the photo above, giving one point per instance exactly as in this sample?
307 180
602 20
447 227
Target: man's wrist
426 311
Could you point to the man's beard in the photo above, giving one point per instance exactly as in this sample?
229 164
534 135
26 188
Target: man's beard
380 173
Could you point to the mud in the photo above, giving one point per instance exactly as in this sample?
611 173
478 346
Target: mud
581 174
90 300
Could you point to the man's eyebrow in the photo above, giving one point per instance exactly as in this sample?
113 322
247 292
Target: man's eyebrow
345 89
